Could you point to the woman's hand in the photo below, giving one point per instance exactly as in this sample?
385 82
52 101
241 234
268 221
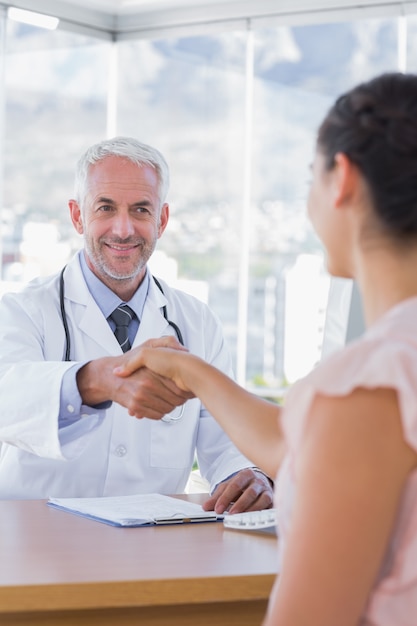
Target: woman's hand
164 356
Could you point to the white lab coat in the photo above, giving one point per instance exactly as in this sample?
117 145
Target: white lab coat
107 452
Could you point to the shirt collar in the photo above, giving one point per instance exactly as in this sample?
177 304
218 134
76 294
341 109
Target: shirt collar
106 299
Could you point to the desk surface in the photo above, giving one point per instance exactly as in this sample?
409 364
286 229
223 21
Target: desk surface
55 564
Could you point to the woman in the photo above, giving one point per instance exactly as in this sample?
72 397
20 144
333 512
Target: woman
347 490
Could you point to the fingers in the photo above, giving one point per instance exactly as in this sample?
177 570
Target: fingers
146 394
253 501
248 490
165 342
210 503
136 358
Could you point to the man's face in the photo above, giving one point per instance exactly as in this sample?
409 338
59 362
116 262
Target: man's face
120 219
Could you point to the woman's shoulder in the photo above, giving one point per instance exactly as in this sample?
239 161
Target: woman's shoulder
375 358
384 357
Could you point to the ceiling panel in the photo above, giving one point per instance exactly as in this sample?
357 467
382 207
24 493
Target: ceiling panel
132 6
118 19
122 7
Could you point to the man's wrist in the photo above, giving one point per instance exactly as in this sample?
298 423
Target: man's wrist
256 469
90 377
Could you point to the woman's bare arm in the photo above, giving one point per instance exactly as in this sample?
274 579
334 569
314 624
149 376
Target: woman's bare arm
251 422
349 472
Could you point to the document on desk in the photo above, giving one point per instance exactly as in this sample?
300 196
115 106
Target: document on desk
136 510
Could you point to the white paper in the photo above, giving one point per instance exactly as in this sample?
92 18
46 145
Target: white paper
135 510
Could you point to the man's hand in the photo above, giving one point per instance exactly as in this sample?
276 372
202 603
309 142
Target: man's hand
248 490
146 394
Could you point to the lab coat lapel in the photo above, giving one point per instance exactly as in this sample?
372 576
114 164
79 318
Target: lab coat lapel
153 324
84 311
94 325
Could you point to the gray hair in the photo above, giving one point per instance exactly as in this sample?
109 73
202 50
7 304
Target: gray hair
139 153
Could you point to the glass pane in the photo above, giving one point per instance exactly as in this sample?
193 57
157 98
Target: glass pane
56 100
298 73
187 101
411 43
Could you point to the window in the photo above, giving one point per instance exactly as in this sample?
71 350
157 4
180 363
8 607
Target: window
235 114
187 101
298 73
55 106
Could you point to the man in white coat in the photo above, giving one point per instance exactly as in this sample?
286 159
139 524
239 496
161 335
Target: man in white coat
68 426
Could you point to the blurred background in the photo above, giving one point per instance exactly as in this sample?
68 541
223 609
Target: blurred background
232 93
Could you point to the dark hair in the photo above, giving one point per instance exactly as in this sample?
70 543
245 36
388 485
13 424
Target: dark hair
375 125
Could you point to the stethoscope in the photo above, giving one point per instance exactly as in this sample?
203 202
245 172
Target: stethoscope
177 413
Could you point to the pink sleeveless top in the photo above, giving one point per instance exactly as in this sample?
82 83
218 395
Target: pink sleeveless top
386 356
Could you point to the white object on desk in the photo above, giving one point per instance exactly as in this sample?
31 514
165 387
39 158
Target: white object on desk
135 510
264 520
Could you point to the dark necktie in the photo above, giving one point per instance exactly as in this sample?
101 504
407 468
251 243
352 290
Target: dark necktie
122 316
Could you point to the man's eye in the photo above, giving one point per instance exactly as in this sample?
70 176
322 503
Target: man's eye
105 208
142 209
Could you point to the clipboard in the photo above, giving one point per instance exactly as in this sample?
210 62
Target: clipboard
135 510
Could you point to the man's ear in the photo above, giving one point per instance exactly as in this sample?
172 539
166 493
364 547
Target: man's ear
75 213
345 179
163 219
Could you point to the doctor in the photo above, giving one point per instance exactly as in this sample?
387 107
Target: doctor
68 425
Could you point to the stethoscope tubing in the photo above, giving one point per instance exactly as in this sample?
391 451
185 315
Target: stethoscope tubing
65 321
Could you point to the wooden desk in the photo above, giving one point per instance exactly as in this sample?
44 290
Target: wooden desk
58 568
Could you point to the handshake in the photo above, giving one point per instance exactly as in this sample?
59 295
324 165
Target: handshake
147 380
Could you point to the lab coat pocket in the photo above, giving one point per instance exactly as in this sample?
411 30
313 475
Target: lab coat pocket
173 439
